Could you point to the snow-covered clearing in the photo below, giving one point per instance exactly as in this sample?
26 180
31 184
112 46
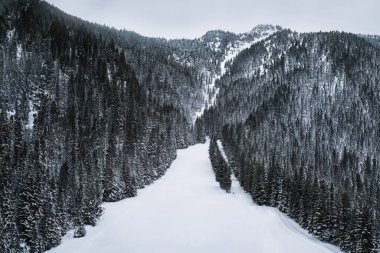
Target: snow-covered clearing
186 211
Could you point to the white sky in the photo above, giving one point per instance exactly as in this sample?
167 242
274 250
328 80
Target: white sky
193 18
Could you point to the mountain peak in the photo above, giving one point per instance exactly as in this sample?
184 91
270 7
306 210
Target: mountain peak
263 28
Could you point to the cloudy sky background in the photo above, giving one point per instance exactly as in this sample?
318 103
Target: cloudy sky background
192 18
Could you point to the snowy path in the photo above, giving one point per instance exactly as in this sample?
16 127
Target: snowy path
186 212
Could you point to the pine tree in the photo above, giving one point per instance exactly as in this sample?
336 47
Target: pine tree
221 169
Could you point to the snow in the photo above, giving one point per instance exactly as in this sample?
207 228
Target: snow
19 51
109 75
11 113
185 212
31 114
10 34
221 149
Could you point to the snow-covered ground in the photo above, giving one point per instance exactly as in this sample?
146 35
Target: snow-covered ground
186 212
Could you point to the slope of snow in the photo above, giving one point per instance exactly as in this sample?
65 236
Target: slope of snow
185 212
31 114
221 149
19 52
10 34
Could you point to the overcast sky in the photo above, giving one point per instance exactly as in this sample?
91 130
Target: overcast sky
192 18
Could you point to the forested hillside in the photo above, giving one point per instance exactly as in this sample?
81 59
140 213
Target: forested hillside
299 117
79 125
